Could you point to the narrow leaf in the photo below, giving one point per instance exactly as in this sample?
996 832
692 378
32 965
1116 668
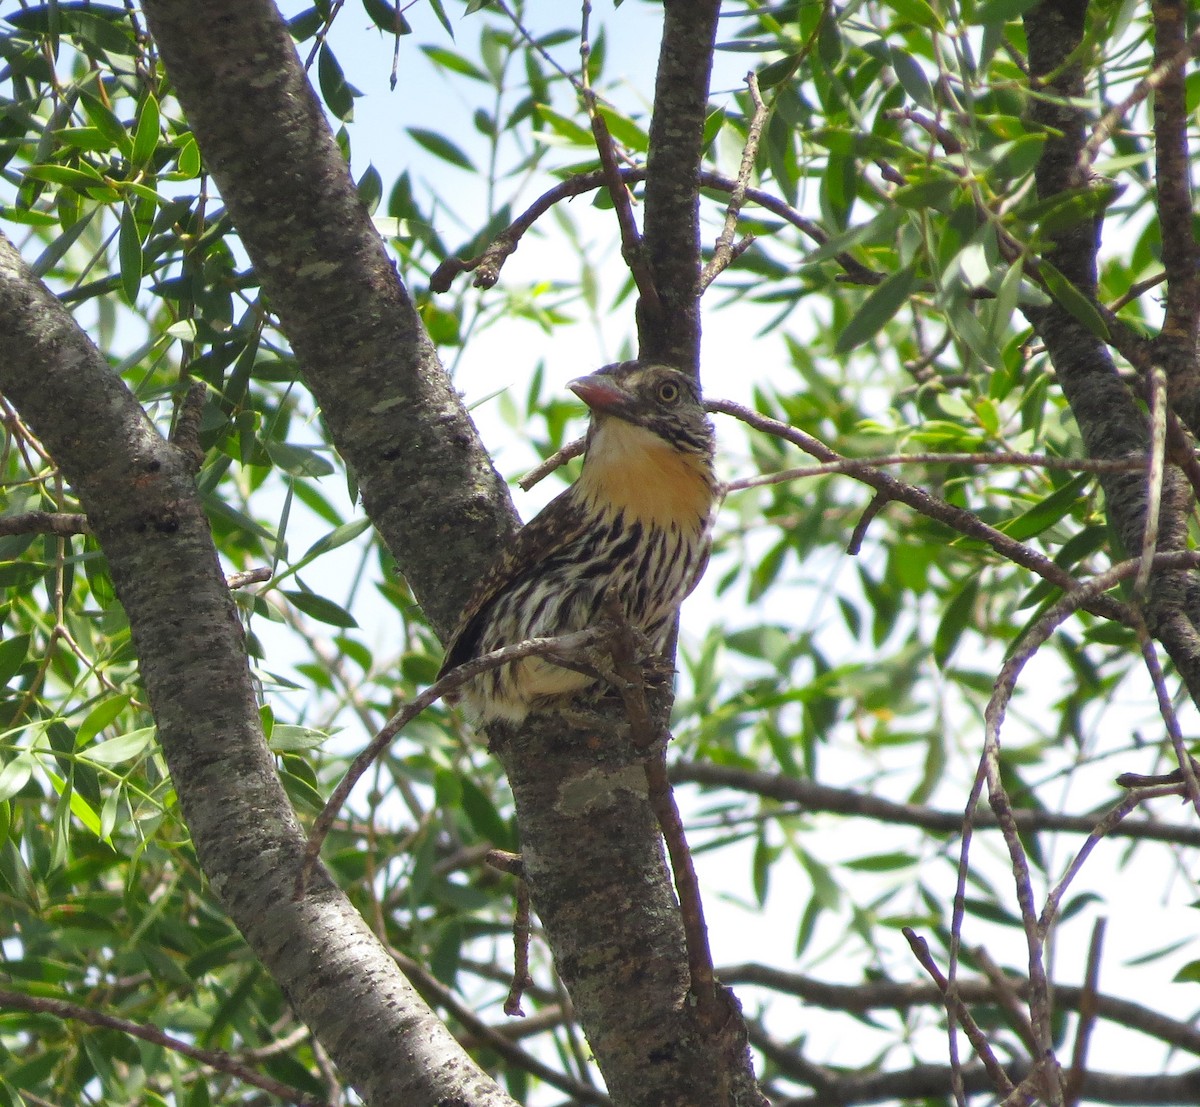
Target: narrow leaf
877 310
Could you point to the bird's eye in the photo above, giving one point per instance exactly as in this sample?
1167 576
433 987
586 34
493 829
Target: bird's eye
668 392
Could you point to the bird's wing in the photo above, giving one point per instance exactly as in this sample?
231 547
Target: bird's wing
559 522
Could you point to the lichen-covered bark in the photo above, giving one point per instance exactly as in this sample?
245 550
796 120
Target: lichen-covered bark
426 480
672 221
1109 419
143 507
598 877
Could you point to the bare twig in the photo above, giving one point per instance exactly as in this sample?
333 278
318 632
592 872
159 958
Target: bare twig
60 524
632 247
1007 996
1036 928
487 265
250 576
917 498
723 254
520 977
978 1039
214 1059
1111 118
1156 464
554 461
436 992
892 995
563 645
848 465
947 139
1187 768
648 733
878 502
812 797
1087 1017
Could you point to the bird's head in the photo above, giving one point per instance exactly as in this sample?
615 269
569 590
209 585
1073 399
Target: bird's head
649 445
657 398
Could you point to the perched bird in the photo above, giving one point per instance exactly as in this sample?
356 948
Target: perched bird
636 521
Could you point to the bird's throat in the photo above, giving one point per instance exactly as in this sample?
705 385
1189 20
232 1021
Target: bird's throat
632 470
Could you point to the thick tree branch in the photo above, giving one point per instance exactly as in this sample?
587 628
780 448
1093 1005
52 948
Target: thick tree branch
217 1060
141 503
671 227
592 851
812 797
1172 175
426 480
1108 417
884 995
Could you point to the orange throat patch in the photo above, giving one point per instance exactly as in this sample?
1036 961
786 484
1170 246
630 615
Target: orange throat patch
632 470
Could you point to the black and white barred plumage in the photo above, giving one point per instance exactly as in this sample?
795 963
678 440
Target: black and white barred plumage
636 522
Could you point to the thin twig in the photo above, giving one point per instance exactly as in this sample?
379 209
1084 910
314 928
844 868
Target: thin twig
251 576
554 461
436 992
488 264
965 522
1110 119
1005 684
878 502
1187 768
60 524
723 254
1073 1091
565 644
1007 997
648 733
947 139
1042 461
632 248
520 977
978 1039
216 1060
1156 465
810 796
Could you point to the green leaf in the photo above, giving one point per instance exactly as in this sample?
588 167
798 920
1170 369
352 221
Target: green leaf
322 609
129 252
957 617
298 461
918 12
455 62
286 738
387 17
485 820
338 95
625 130
99 717
145 140
125 747
441 147
370 189
1069 297
15 775
13 652
339 536
574 132
877 310
105 121
1049 511
187 159
912 78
